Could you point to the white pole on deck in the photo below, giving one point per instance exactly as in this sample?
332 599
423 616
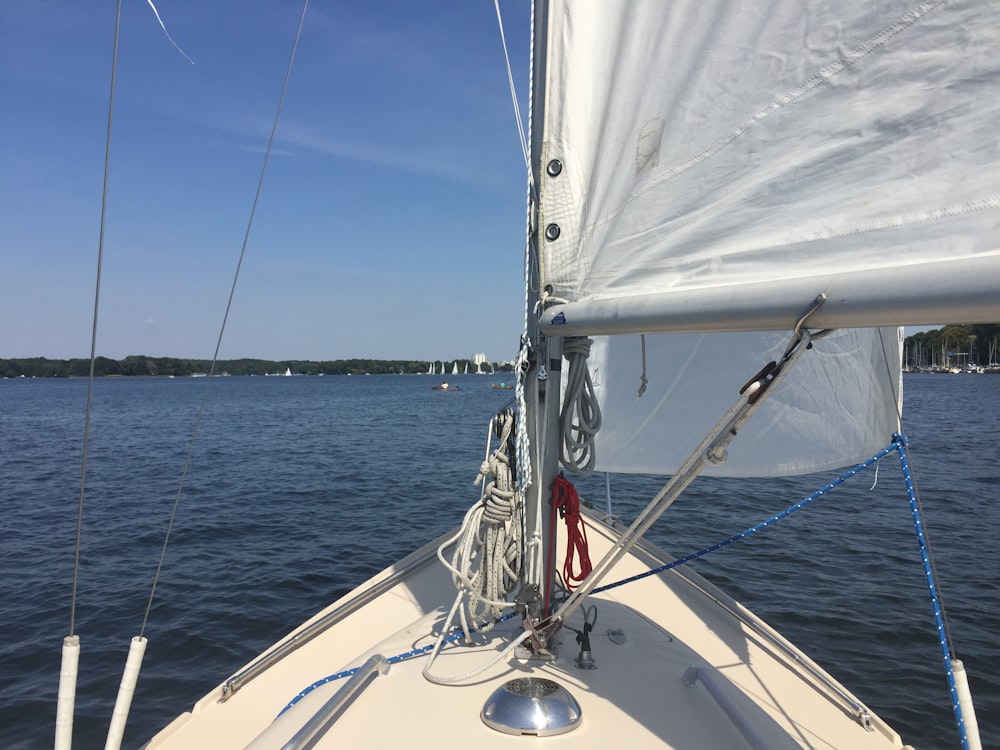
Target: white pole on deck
125 692
965 703
67 692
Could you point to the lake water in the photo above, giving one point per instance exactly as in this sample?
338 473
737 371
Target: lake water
301 488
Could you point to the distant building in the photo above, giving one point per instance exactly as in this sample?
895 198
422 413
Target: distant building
479 359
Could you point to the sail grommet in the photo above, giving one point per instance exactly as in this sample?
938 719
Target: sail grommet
553 168
552 232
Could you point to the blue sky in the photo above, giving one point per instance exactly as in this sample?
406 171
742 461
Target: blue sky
391 222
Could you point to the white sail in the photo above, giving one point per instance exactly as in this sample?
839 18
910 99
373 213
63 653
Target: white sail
716 168
721 165
813 421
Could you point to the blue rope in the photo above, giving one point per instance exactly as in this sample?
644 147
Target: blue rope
898 443
392 660
681 561
918 526
760 526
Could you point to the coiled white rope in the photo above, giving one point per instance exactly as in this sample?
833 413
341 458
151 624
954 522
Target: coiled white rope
486 563
581 416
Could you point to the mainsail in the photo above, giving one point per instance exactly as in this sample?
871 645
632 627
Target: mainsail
718 167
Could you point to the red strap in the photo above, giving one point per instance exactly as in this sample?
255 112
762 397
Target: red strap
566 499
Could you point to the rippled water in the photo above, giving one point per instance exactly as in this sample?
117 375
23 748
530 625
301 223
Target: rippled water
300 488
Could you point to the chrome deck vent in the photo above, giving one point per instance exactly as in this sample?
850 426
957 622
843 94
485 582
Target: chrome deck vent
531 706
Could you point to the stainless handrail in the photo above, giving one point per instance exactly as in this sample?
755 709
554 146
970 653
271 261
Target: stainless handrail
693 675
855 708
322 719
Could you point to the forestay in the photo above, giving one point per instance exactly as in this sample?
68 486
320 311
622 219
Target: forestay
716 167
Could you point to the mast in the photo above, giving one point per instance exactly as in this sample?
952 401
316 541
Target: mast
541 377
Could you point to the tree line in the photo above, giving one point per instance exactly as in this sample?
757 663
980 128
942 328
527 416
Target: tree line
947 346
954 345
141 365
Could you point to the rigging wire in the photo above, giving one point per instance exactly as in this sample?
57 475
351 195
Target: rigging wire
523 137
93 331
225 317
66 700
513 91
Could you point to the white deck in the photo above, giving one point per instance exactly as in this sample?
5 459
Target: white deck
636 696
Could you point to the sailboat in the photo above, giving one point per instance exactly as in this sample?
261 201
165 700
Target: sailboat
731 213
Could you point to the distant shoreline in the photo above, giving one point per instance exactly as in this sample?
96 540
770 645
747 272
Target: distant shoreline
962 347
143 366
